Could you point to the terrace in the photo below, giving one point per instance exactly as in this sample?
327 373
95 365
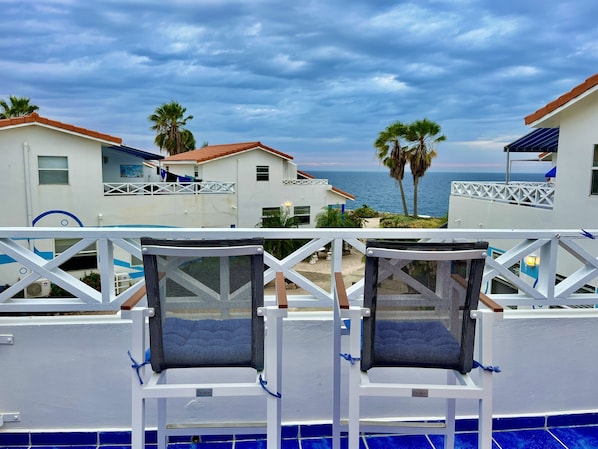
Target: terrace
531 194
67 378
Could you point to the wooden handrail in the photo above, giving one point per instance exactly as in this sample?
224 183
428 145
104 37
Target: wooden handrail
491 304
341 292
134 299
281 291
138 295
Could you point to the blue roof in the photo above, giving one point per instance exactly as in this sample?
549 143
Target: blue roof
541 140
135 152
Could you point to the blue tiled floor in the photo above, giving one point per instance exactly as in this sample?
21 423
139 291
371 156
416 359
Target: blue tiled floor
318 437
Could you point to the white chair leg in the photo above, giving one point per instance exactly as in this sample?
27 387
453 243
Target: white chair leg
354 378
138 422
162 438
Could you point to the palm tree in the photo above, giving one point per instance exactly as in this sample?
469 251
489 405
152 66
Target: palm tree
169 121
424 134
280 218
18 107
393 155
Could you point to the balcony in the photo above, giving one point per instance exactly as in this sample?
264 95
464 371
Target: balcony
531 194
65 368
167 188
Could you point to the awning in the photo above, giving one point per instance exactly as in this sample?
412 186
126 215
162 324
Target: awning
538 141
135 152
551 173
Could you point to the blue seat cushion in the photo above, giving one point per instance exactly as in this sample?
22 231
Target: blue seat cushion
196 343
416 344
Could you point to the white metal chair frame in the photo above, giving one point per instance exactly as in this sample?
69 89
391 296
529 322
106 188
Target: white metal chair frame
147 384
458 385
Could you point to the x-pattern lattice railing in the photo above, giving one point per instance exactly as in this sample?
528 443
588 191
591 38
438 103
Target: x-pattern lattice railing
567 262
167 188
519 193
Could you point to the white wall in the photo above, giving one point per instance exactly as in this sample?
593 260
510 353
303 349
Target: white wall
74 373
574 207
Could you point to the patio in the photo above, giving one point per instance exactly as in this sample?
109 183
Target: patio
57 391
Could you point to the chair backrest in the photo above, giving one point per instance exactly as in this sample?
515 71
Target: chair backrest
419 296
205 295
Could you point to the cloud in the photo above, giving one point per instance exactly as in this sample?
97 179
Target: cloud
318 80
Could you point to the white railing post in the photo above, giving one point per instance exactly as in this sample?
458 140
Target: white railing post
106 265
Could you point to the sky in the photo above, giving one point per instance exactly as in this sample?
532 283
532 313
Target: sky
315 79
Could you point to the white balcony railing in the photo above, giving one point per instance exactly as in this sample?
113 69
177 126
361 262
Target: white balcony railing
552 284
167 188
305 182
534 194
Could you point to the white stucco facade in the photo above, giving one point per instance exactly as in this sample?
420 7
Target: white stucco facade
574 205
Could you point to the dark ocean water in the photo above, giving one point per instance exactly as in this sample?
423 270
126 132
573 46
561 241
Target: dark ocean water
379 191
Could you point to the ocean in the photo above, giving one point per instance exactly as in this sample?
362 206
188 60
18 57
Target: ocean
380 192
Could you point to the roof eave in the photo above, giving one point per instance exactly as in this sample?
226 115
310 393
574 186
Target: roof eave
549 115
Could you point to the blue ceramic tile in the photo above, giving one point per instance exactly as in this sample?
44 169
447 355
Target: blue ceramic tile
60 446
326 443
578 419
151 437
577 437
64 438
290 431
316 430
316 443
186 445
260 444
116 446
115 438
524 422
13 447
258 436
402 441
290 444
14 439
462 441
215 438
527 439
466 425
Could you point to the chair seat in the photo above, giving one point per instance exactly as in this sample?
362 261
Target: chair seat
415 343
192 343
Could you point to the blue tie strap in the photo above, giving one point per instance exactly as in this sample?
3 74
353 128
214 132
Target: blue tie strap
137 366
263 383
494 369
350 358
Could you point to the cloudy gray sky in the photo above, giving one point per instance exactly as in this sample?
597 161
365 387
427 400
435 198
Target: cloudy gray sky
315 79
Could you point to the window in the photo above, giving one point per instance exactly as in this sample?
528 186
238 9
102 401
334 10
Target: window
595 172
270 216
83 260
53 169
301 213
262 173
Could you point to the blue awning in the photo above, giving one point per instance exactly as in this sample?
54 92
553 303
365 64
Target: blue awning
551 173
135 152
541 140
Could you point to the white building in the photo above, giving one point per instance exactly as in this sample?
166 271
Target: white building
264 179
56 174
565 127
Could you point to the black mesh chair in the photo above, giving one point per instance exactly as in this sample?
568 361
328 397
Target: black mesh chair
420 307
206 310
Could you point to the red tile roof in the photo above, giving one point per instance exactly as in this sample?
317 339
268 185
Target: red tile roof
36 118
563 99
343 193
217 151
